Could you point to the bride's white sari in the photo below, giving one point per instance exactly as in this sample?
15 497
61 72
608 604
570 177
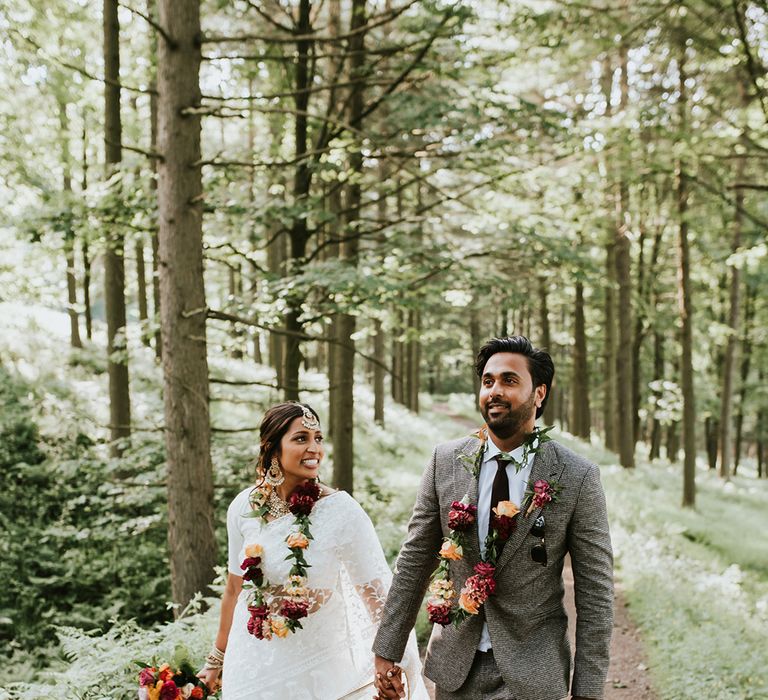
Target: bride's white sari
331 657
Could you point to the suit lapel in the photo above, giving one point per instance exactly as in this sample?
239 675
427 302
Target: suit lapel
466 483
544 467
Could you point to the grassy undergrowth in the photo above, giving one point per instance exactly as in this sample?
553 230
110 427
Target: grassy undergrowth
696 580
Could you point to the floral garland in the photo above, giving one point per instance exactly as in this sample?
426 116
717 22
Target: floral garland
462 516
272 614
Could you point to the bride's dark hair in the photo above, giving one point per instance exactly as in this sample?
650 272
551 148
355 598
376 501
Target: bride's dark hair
273 426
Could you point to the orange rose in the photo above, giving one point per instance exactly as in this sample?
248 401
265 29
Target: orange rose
451 550
165 673
506 509
254 550
469 604
297 539
279 626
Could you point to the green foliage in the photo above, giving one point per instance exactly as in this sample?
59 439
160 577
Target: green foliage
76 538
101 666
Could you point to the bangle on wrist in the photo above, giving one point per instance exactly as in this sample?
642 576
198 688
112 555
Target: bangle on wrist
215 658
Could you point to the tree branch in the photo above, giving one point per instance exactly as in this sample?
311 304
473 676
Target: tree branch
173 44
79 69
385 18
233 318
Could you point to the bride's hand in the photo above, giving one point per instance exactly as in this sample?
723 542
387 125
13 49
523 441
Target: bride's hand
211 678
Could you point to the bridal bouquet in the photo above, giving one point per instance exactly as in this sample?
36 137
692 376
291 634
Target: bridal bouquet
166 683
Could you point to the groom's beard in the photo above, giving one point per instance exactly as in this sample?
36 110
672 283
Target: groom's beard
512 422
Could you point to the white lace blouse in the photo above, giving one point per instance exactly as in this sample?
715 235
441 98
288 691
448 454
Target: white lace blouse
348 577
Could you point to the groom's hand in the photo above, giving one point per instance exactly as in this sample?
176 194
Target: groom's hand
388 680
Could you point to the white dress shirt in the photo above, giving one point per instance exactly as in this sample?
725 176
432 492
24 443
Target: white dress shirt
517 484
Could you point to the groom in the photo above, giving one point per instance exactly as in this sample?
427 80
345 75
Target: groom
514 646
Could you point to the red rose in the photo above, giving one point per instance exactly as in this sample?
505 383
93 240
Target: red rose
303 498
147 676
255 627
252 570
260 610
169 691
461 516
541 486
294 609
480 587
486 570
439 614
197 693
504 526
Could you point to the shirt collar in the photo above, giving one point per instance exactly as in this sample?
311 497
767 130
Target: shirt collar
491 450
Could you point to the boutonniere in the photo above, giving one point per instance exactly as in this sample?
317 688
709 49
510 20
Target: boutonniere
474 460
541 492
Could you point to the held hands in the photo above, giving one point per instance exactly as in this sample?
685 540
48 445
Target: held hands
389 680
211 677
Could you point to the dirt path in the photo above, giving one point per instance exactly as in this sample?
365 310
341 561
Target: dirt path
628 676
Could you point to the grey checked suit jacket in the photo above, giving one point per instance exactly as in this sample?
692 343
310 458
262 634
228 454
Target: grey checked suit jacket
526 618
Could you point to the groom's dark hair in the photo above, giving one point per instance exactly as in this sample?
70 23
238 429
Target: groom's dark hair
540 364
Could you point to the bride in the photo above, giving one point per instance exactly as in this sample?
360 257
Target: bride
307 580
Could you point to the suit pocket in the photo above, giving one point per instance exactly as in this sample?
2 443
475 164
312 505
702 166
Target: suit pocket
553 610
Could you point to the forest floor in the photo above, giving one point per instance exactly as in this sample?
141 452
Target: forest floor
628 674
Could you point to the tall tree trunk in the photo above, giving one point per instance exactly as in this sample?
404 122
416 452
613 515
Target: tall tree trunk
609 352
343 447
673 442
87 289
380 354
580 409
685 303
749 315
610 422
157 340
191 540
142 291
84 244
546 341
710 440
253 277
234 273
69 234
413 360
734 309
379 340
301 185
647 289
114 263
623 261
637 339
658 376
398 357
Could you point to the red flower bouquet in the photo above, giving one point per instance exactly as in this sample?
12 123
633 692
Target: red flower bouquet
167 682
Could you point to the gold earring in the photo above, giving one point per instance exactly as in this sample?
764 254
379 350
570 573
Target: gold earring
274 475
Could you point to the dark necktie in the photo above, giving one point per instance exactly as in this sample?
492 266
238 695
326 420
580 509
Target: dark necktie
500 489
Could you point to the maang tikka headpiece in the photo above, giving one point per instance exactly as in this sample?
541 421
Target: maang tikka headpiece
309 420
